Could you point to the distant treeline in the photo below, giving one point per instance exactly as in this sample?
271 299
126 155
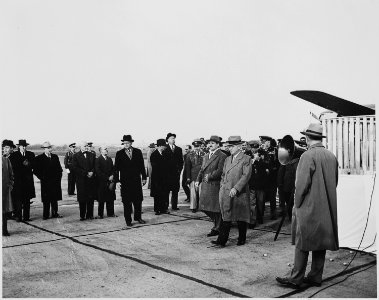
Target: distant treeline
62 150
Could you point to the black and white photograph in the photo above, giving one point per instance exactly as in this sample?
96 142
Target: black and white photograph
189 149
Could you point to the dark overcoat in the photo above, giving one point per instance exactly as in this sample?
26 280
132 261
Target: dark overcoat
49 172
7 184
86 187
159 174
175 166
23 175
236 175
104 169
193 163
68 160
209 191
314 216
128 172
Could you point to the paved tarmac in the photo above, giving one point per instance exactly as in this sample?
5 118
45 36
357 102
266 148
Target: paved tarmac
169 256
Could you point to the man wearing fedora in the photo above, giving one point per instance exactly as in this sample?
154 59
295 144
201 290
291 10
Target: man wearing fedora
159 178
48 170
70 172
314 215
234 192
129 167
193 162
209 177
23 190
148 155
105 183
83 164
175 165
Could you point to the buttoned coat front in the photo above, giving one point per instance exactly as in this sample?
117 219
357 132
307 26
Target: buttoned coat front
49 172
236 175
86 187
209 191
128 172
23 188
314 221
104 169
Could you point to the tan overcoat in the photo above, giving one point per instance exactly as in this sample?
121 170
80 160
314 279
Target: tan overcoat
236 175
314 222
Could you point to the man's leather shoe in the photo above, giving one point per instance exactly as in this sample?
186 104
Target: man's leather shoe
26 220
6 233
311 282
82 219
176 208
57 216
286 282
240 243
141 221
213 233
157 213
216 242
252 226
129 224
44 218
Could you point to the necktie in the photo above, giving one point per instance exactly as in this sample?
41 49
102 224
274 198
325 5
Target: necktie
172 148
210 154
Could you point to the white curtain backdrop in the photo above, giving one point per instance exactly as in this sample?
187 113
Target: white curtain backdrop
354 195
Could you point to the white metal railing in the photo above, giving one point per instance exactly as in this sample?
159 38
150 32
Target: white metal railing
353 142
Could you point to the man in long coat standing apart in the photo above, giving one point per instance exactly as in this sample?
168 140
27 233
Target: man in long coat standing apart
23 189
314 215
105 181
83 164
48 169
234 192
209 177
175 163
159 178
70 172
129 167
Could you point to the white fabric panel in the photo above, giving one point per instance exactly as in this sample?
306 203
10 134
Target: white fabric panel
353 206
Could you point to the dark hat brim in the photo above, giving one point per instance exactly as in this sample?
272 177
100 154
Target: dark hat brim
122 141
23 144
311 134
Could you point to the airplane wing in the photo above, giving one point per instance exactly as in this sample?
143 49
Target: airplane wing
341 106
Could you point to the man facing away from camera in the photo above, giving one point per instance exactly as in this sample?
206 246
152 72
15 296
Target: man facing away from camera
314 215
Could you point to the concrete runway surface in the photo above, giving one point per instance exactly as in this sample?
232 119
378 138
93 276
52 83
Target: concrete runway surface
169 256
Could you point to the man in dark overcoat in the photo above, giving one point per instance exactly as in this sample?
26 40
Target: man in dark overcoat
175 161
208 181
7 186
105 181
48 170
70 172
129 167
314 215
23 189
83 164
159 178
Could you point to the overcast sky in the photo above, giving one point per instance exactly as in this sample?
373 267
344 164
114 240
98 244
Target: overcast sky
96 70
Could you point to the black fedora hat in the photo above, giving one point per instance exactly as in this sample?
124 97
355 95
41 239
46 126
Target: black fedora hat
22 143
127 138
170 135
152 145
161 142
8 143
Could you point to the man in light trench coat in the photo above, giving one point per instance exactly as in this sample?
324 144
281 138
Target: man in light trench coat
314 215
234 193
